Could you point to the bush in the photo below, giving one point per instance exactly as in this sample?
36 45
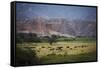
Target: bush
26 56
52 39
24 37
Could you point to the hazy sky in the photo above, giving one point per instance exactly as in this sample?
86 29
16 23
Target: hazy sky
28 11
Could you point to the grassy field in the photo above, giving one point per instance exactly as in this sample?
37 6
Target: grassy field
62 52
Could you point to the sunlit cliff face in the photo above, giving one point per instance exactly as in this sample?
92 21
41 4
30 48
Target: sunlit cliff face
57 26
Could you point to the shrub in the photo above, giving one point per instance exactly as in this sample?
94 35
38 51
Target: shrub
52 39
26 56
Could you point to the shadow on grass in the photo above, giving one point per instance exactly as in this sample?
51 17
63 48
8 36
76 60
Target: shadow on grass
26 56
52 59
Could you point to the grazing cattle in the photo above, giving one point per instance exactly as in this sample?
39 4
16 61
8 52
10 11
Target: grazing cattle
43 47
51 49
59 48
32 47
75 46
83 46
67 47
70 48
38 51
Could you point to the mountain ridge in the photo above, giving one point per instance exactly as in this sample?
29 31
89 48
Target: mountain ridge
60 26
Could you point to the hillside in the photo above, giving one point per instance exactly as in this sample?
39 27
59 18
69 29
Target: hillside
58 26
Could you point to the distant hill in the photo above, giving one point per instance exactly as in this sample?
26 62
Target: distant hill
57 26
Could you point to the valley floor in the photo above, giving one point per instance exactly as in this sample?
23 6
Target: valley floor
62 52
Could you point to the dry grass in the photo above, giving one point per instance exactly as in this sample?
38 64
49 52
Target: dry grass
60 48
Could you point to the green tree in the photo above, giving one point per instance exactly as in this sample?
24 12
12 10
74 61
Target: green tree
52 39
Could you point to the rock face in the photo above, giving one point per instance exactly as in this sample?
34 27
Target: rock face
57 26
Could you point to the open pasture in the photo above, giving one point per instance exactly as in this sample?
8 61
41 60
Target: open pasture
60 48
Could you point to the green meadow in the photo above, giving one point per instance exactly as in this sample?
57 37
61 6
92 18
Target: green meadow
62 51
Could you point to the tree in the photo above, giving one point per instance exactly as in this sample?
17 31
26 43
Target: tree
52 39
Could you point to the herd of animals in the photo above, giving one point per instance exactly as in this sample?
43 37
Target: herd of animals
46 50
